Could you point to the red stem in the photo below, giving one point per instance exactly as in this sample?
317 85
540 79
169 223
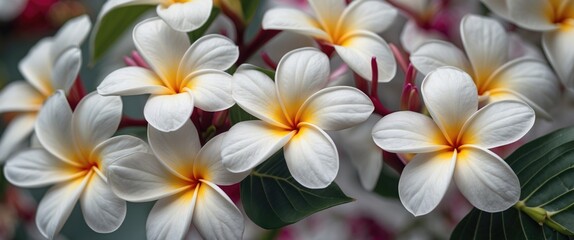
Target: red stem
421 22
361 84
403 64
393 161
262 37
77 92
131 122
379 107
237 22
267 59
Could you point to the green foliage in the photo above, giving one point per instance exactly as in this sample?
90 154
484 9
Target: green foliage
112 26
237 114
388 184
545 168
196 34
249 8
273 199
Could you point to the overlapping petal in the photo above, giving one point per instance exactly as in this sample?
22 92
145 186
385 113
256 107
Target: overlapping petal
558 48
209 52
132 81
328 12
20 96
215 215
186 16
36 66
37 168
16 133
66 69
103 211
72 34
374 16
532 14
293 20
435 54
170 217
208 166
169 112
211 90
116 148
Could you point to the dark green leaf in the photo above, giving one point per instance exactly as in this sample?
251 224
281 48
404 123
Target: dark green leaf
3 183
273 199
249 8
239 115
112 27
545 168
388 184
196 34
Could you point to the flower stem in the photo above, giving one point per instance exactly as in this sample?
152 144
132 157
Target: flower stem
132 122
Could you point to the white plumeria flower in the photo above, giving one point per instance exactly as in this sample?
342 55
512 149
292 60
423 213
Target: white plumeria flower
54 63
455 143
294 110
78 147
487 60
181 76
181 15
11 9
555 19
183 178
349 29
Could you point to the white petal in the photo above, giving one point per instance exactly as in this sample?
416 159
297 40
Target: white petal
96 119
412 37
20 96
328 12
249 143
72 34
425 179
408 132
532 14
36 66
57 204
300 74
486 44
37 168
498 124
255 93
140 177
486 180
211 90
451 98
372 16
435 54
558 48
215 215
336 108
103 211
186 16
168 112
66 69
170 217
209 52
54 128
358 48
177 149
292 20
117 148
208 165
499 7
312 157
132 81
533 81
161 47
16 133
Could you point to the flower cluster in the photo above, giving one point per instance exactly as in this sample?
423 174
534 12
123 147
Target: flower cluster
214 112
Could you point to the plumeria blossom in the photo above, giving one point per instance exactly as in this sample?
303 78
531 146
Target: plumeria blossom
183 178
294 111
78 148
182 75
181 15
496 76
350 30
555 19
454 143
52 64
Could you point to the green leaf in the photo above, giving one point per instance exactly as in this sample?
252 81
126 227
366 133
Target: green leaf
196 34
249 8
237 114
388 184
273 199
3 184
545 168
112 26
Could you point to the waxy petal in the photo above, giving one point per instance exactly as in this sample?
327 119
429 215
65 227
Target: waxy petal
425 179
312 157
558 48
215 215
209 52
103 211
161 47
208 165
486 44
140 177
328 12
451 98
434 54
57 204
412 37
499 7
117 148
170 217
336 108
132 81
37 168
36 66
168 112
20 96
211 90
186 16
486 180
249 143
498 124
359 47
371 16
300 74
293 20
16 133
95 119
66 69
177 149
255 93
408 132
72 34
532 14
